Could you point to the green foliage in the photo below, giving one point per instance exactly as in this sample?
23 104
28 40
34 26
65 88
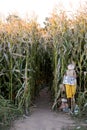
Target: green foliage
8 111
68 37
29 54
82 103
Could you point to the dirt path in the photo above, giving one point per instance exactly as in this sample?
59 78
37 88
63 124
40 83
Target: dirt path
42 117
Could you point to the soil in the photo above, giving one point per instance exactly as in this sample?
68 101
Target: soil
42 117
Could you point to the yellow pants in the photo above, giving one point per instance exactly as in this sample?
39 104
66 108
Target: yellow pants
70 90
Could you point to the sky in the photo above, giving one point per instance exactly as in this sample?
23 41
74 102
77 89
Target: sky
41 8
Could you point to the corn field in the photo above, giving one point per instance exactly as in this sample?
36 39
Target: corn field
31 56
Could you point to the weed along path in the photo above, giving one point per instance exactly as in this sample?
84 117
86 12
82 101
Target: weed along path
42 117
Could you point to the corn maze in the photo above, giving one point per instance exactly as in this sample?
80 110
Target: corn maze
31 55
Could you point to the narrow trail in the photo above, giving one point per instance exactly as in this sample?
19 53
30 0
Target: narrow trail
42 117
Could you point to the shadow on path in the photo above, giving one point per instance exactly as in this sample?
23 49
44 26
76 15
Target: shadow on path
42 117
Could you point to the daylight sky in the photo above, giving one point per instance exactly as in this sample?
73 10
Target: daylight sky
42 8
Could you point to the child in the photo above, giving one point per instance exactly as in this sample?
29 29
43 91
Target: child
70 85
